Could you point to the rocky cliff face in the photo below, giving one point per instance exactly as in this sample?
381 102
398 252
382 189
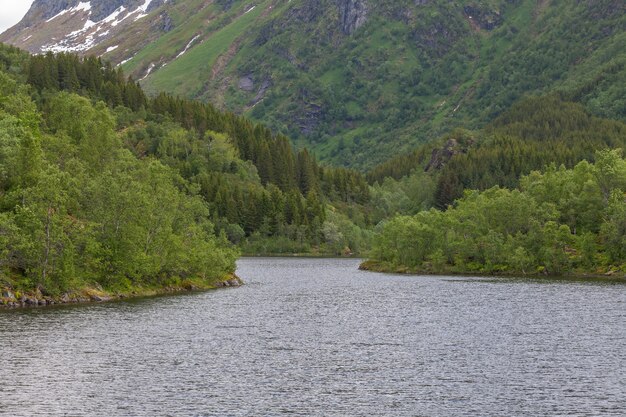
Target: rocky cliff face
47 8
353 14
440 156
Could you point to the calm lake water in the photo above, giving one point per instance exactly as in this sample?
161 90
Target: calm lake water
317 337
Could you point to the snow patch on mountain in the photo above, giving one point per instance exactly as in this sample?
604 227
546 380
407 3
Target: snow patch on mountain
82 6
150 68
144 9
188 46
112 18
93 32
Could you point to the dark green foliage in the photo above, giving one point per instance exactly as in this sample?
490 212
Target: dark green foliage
533 134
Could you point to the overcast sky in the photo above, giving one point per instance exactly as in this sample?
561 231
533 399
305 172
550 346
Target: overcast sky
12 11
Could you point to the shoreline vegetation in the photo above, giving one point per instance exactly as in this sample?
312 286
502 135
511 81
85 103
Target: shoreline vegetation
301 255
556 223
374 266
10 298
108 193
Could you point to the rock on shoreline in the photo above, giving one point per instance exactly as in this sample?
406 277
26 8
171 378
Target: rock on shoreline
10 298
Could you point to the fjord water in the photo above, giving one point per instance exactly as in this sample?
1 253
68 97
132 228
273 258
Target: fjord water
317 337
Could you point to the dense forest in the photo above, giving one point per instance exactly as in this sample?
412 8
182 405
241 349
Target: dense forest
535 132
77 208
539 154
556 222
101 185
260 191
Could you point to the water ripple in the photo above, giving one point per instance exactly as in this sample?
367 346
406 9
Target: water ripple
317 337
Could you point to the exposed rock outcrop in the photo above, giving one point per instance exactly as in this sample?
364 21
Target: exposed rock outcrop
353 14
78 25
485 19
100 9
246 83
167 23
234 281
440 156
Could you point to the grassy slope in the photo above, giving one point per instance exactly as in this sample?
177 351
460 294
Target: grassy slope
187 74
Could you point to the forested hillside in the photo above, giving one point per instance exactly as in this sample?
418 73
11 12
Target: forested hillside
78 209
100 185
356 81
534 133
540 190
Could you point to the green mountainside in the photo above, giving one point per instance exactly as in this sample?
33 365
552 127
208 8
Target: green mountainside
454 109
359 81
104 188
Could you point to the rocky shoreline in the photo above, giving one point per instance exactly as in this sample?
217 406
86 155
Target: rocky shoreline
10 298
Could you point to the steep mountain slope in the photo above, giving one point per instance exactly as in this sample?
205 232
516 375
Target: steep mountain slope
355 80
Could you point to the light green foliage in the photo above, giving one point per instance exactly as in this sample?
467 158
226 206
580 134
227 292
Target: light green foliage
222 153
408 195
559 222
77 209
255 185
89 127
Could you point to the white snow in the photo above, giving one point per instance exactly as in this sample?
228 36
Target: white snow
150 68
84 6
126 60
111 48
142 10
57 15
83 39
144 7
113 16
188 46
87 25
